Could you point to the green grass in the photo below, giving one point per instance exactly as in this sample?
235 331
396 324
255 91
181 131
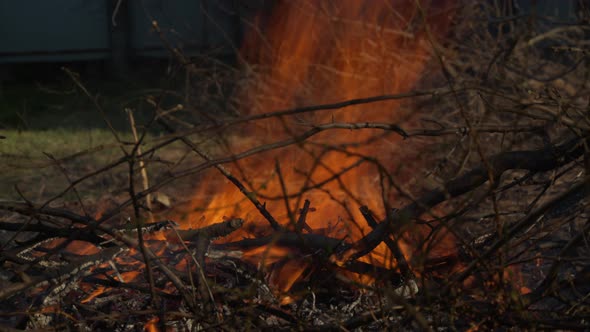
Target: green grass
59 142
45 117
42 163
38 161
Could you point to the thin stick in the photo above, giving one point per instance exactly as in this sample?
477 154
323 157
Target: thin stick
142 168
285 193
402 263
250 195
301 222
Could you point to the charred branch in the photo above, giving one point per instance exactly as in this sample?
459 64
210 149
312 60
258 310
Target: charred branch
75 269
392 243
301 224
209 233
28 209
540 160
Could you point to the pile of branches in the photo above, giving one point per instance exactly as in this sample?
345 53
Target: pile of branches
58 272
507 133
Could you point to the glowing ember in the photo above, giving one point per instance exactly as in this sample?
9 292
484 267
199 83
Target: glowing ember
151 326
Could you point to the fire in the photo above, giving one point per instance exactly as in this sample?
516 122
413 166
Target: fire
151 325
76 246
315 52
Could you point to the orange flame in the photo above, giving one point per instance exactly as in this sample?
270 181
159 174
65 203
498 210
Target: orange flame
151 325
314 52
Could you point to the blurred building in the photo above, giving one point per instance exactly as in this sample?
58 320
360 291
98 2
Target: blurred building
74 30
78 30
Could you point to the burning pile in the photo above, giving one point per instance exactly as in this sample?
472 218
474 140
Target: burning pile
292 221
318 53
